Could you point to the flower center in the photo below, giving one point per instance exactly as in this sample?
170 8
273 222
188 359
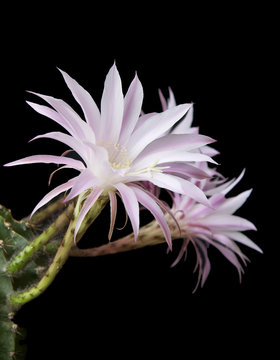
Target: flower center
118 155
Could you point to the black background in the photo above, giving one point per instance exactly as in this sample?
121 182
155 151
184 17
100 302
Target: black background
131 304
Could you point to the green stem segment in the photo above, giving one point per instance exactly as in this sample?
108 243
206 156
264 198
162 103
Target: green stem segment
24 256
62 253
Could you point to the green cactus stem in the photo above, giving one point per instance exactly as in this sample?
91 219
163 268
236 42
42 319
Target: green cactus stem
22 258
17 300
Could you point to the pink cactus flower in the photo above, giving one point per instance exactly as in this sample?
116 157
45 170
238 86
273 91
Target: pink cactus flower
214 226
118 148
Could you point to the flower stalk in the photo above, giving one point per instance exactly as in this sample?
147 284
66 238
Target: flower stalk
149 235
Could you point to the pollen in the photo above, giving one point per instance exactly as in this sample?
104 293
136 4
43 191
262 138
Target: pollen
118 155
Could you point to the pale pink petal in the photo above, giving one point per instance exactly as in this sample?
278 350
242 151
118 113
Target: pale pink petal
182 251
79 127
99 161
112 105
85 181
153 128
55 192
173 142
227 222
171 100
152 206
234 183
184 126
86 102
179 186
208 150
132 109
113 208
205 263
228 254
229 206
243 239
162 100
70 141
131 205
169 156
88 204
52 114
228 243
143 118
184 170
48 159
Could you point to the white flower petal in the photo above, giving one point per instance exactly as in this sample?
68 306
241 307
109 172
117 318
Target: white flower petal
86 102
70 141
179 186
229 206
78 126
132 109
88 204
225 222
53 193
52 114
154 127
243 239
152 206
131 205
184 125
48 159
112 105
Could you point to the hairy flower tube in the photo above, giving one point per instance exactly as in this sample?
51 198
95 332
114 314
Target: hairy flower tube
216 225
119 148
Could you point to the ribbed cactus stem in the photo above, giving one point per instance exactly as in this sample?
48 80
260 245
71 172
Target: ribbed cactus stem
62 254
22 258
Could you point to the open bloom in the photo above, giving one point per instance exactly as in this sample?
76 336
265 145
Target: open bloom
118 148
215 225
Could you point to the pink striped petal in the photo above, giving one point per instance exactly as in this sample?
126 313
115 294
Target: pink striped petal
142 119
79 127
224 240
153 128
132 109
184 126
243 239
170 156
112 106
173 142
228 254
131 205
48 159
184 170
85 180
152 206
86 102
227 222
52 114
67 140
171 102
52 194
229 206
179 186
88 204
162 100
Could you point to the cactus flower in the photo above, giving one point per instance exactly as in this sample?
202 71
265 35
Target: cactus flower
215 225
118 148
